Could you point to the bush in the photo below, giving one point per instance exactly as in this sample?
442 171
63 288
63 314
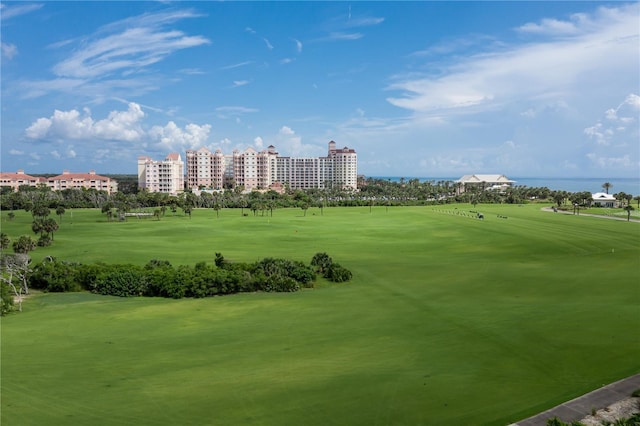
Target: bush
6 298
86 275
338 274
279 283
321 262
54 276
121 280
44 241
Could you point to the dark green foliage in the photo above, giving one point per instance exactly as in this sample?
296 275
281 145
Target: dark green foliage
160 279
636 393
337 273
44 240
4 241
24 244
6 298
323 264
54 276
280 283
121 280
557 422
297 271
86 275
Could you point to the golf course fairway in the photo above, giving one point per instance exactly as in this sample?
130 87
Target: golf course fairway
448 320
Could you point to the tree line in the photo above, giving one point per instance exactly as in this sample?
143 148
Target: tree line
158 278
371 192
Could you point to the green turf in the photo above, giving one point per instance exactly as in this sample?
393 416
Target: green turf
448 320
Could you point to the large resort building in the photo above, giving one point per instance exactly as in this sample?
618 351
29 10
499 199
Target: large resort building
161 176
265 169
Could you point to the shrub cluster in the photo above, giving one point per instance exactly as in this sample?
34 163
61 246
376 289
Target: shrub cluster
325 266
160 278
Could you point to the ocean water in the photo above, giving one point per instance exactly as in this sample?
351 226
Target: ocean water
627 185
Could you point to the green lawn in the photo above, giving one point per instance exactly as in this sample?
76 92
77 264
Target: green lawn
449 320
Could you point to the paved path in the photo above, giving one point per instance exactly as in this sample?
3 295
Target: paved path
550 209
579 408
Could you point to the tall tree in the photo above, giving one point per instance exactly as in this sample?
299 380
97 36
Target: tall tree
606 186
629 208
37 226
50 226
60 211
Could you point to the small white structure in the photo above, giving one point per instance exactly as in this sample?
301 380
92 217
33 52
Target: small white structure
603 200
485 182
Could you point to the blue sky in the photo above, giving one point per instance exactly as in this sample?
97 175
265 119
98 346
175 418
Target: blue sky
432 89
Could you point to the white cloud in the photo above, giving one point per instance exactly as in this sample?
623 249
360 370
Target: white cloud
16 152
113 57
364 22
289 143
130 50
298 45
619 122
340 36
605 162
266 42
550 27
118 126
17 9
606 46
226 112
172 138
258 143
191 71
55 154
239 83
121 125
238 65
9 50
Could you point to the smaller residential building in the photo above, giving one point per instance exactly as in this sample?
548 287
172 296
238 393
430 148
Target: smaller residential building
18 179
91 180
485 182
66 180
603 200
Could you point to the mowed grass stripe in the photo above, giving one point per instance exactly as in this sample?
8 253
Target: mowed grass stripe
449 320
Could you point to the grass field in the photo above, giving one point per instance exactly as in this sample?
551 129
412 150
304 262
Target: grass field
449 320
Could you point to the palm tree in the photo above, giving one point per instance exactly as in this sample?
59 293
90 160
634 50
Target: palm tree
629 209
37 226
60 211
50 226
606 186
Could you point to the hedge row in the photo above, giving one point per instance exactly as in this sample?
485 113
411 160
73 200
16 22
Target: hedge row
160 278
